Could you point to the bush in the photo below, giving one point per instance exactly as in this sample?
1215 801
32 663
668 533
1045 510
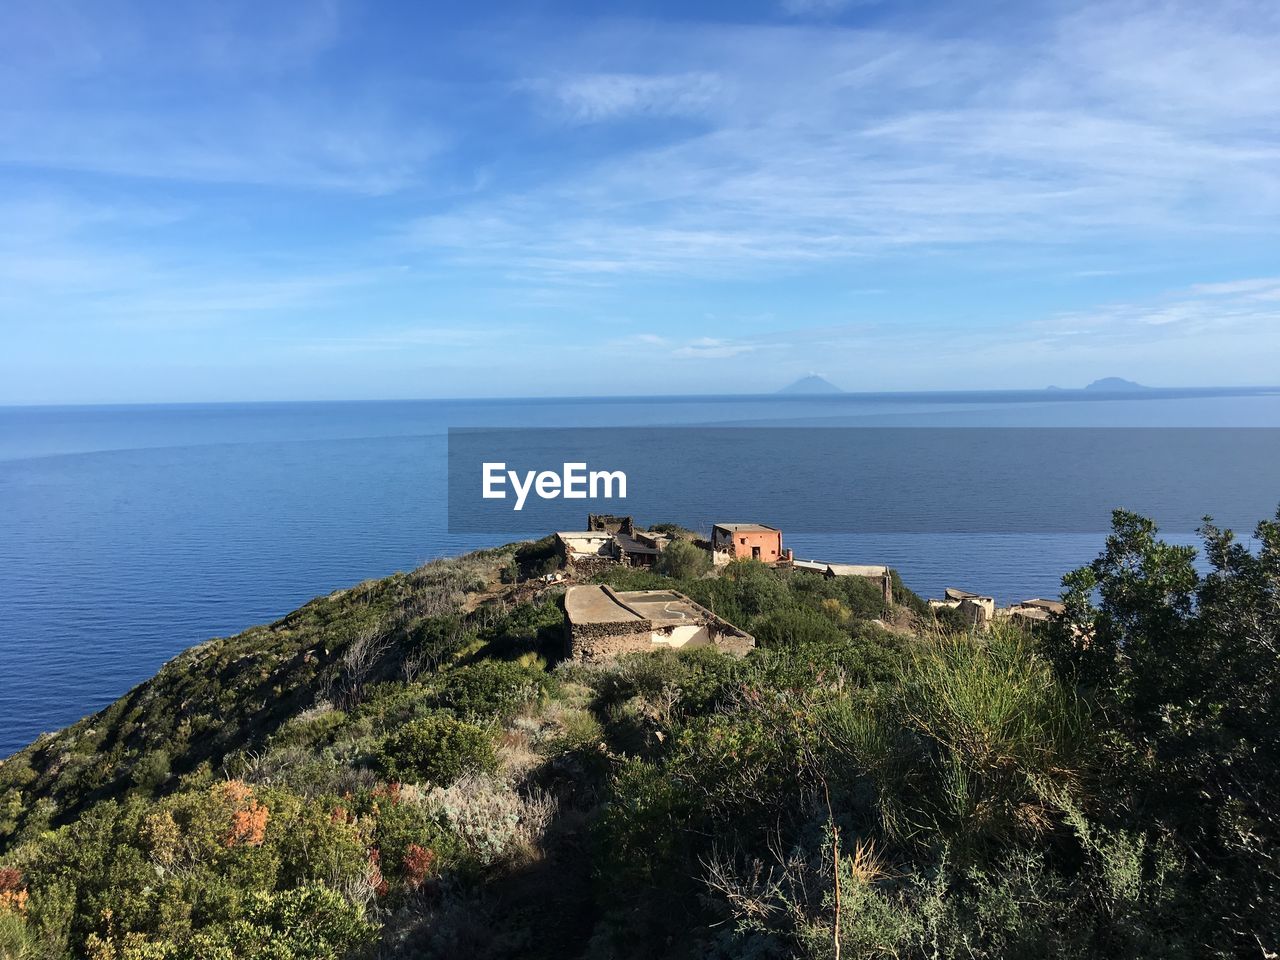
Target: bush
795 626
973 748
1186 671
306 923
488 689
438 749
681 560
152 770
538 558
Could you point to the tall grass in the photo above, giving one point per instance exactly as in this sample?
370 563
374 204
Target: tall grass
969 750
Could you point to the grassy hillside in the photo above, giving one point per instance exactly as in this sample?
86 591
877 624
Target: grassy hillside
405 769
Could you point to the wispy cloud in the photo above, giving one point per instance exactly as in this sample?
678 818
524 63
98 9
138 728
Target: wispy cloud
710 348
306 173
802 8
816 146
198 92
404 339
1250 306
589 98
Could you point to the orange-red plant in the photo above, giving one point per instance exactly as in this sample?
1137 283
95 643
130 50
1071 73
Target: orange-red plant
418 862
13 898
376 880
248 817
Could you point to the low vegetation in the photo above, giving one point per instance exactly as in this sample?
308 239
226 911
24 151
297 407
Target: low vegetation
406 769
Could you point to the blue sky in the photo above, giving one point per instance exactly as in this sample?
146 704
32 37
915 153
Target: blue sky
357 200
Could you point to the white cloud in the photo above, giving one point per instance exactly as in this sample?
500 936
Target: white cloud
800 8
1248 307
820 145
589 98
710 348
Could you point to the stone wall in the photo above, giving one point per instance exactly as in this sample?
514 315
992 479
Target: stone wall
606 647
603 641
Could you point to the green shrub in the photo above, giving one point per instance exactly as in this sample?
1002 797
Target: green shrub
796 626
438 749
401 825
489 689
307 923
152 770
972 745
537 558
16 941
681 560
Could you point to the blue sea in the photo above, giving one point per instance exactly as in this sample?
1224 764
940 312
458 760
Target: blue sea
128 533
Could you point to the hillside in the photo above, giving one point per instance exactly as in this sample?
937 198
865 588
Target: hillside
404 769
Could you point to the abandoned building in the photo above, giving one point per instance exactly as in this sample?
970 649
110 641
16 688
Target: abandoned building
641 548
882 575
1036 610
586 550
603 623
746 541
608 540
610 523
976 608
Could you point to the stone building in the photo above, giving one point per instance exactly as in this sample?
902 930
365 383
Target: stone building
603 623
1036 610
584 552
976 608
610 523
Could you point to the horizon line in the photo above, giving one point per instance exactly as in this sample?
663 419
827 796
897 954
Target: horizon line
780 394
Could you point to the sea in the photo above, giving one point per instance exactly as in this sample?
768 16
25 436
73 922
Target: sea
129 533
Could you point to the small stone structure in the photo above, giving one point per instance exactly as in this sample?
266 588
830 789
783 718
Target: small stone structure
975 608
584 552
641 548
608 540
603 623
610 523
1036 610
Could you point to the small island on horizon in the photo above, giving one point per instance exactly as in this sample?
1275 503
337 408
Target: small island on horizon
811 384
1107 385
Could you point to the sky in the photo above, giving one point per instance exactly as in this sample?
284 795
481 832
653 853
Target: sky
336 199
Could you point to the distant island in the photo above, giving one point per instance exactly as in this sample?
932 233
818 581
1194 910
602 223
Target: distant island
1107 385
811 384
1115 384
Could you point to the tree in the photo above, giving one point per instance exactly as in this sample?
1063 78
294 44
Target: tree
1186 669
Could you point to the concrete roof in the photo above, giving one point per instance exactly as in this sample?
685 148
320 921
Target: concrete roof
746 527
1053 606
951 593
857 570
596 604
816 565
662 606
841 569
632 545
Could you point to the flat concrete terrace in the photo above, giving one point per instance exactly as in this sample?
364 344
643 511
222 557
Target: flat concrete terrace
604 622
593 604
663 606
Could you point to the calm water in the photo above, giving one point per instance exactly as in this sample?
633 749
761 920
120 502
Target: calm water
130 533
